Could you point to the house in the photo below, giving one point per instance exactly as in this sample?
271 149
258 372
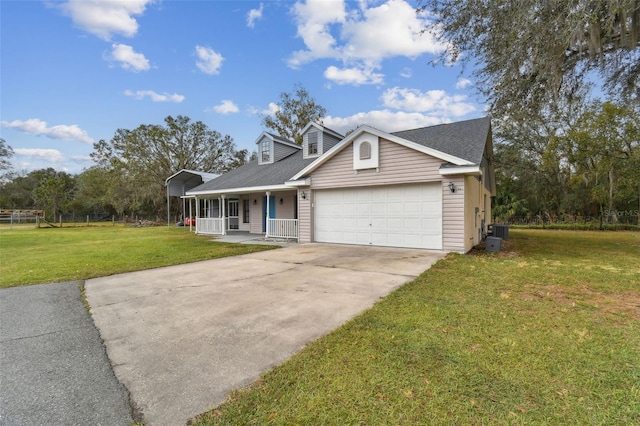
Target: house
425 188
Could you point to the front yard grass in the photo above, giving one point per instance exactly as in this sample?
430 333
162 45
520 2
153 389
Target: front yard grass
34 256
545 332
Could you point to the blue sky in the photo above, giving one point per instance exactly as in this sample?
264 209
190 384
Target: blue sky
74 72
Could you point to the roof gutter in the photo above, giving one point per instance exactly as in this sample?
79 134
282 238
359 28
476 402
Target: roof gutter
460 170
299 182
245 190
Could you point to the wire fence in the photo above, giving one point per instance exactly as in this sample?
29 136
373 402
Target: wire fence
37 218
627 220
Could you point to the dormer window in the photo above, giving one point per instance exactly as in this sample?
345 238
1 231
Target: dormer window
265 150
313 143
365 150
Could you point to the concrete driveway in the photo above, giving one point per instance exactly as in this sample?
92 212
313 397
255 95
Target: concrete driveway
181 337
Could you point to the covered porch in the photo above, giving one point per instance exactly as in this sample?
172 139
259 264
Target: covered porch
272 214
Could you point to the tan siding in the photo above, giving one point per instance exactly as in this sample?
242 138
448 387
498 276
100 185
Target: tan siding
453 215
286 210
255 213
398 164
305 218
472 220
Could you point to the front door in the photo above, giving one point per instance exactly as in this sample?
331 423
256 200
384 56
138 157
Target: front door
233 214
272 211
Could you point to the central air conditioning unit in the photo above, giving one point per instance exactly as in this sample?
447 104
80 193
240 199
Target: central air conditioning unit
500 231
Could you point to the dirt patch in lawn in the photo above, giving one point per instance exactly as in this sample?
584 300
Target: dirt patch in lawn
626 303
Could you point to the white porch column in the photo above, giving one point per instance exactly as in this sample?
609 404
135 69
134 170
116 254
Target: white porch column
168 208
191 212
266 217
224 225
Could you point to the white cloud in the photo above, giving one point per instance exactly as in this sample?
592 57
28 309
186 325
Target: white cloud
209 61
254 15
385 120
35 126
463 83
361 38
128 58
436 102
51 155
226 107
105 18
271 110
406 73
314 20
154 96
391 29
353 76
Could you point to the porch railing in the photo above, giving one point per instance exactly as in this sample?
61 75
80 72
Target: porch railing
209 225
282 228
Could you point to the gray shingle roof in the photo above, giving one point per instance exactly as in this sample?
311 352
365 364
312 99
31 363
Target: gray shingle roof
252 174
464 139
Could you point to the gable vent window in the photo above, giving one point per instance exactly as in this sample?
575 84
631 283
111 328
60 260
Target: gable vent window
365 150
313 143
266 150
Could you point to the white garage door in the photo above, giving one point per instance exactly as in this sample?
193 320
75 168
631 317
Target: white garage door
393 216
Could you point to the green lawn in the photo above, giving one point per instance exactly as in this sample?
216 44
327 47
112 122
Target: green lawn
545 332
33 256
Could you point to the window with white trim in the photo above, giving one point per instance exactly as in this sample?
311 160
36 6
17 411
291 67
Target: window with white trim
312 143
265 150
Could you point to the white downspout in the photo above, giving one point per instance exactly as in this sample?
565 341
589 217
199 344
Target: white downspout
191 214
184 209
168 209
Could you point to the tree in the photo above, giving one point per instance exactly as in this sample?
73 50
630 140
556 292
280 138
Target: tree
530 51
138 161
530 160
17 193
603 148
92 194
54 192
6 152
295 111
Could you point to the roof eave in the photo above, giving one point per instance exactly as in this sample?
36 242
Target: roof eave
243 190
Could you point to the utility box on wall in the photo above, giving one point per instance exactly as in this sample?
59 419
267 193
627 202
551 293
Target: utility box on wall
493 244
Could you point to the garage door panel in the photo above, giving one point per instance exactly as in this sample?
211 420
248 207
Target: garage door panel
395 223
402 216
430 224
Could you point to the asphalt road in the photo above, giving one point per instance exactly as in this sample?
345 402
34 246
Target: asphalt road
53 365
